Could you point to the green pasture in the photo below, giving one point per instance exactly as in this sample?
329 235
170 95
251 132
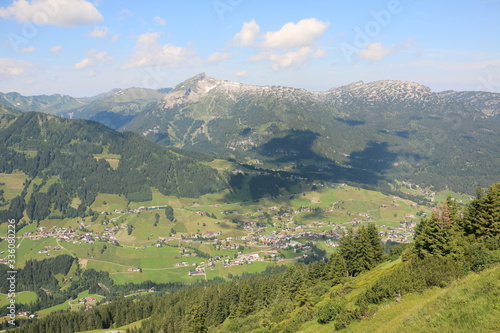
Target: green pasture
22 297
13 184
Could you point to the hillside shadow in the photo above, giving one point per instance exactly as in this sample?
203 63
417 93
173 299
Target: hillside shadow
350 122
376 157
296 145
111 119
366 166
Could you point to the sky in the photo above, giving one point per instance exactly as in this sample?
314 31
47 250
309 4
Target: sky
84 47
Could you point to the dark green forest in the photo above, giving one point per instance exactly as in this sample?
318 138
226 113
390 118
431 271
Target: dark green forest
65 149
455 241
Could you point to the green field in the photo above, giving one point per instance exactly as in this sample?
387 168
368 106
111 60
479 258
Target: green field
23 297
328 205
13 184
73 305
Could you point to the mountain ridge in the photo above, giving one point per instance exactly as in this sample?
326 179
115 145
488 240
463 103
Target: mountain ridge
386 127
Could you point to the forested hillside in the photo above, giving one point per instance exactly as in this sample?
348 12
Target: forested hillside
73 157
327 295
369 133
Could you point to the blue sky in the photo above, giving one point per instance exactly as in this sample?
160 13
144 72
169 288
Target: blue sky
84 47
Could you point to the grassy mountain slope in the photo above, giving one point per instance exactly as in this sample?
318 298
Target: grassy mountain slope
470 304
367 133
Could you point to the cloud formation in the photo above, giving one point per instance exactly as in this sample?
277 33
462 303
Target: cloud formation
99 32
289 47
241 73
13 67
159 20
56 50
94 58
219 56
149 52
27 49
376 51
247 35
292 35
61 13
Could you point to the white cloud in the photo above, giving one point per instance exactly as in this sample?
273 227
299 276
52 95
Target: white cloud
27 49
293 35
149 52
289 47
320 53
13 67
56 50
61 13
219 56
94 58
291 59
115 37
376 51
241 73
159 20
247 35
99 32
126 13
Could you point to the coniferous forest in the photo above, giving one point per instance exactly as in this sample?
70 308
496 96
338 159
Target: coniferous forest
45 146
454 242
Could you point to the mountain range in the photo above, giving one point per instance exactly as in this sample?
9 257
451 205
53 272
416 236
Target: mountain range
370 133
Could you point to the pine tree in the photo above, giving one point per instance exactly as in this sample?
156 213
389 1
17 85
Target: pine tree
246 302
335 270
196 320
483 215
376 243
348 251
438 235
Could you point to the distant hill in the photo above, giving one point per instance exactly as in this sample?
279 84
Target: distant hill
74 156
486 102
115 108
43 103
8 110
363 132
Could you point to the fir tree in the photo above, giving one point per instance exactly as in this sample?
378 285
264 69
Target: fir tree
483 215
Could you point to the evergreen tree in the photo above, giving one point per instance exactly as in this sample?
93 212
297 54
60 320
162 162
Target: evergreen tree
438 235
482 218
335 270
196 320
246 302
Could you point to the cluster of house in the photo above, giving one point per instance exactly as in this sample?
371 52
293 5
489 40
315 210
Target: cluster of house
205 235
26 314
47 249
68 234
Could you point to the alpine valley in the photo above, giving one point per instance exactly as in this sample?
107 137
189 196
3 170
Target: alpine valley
215 206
